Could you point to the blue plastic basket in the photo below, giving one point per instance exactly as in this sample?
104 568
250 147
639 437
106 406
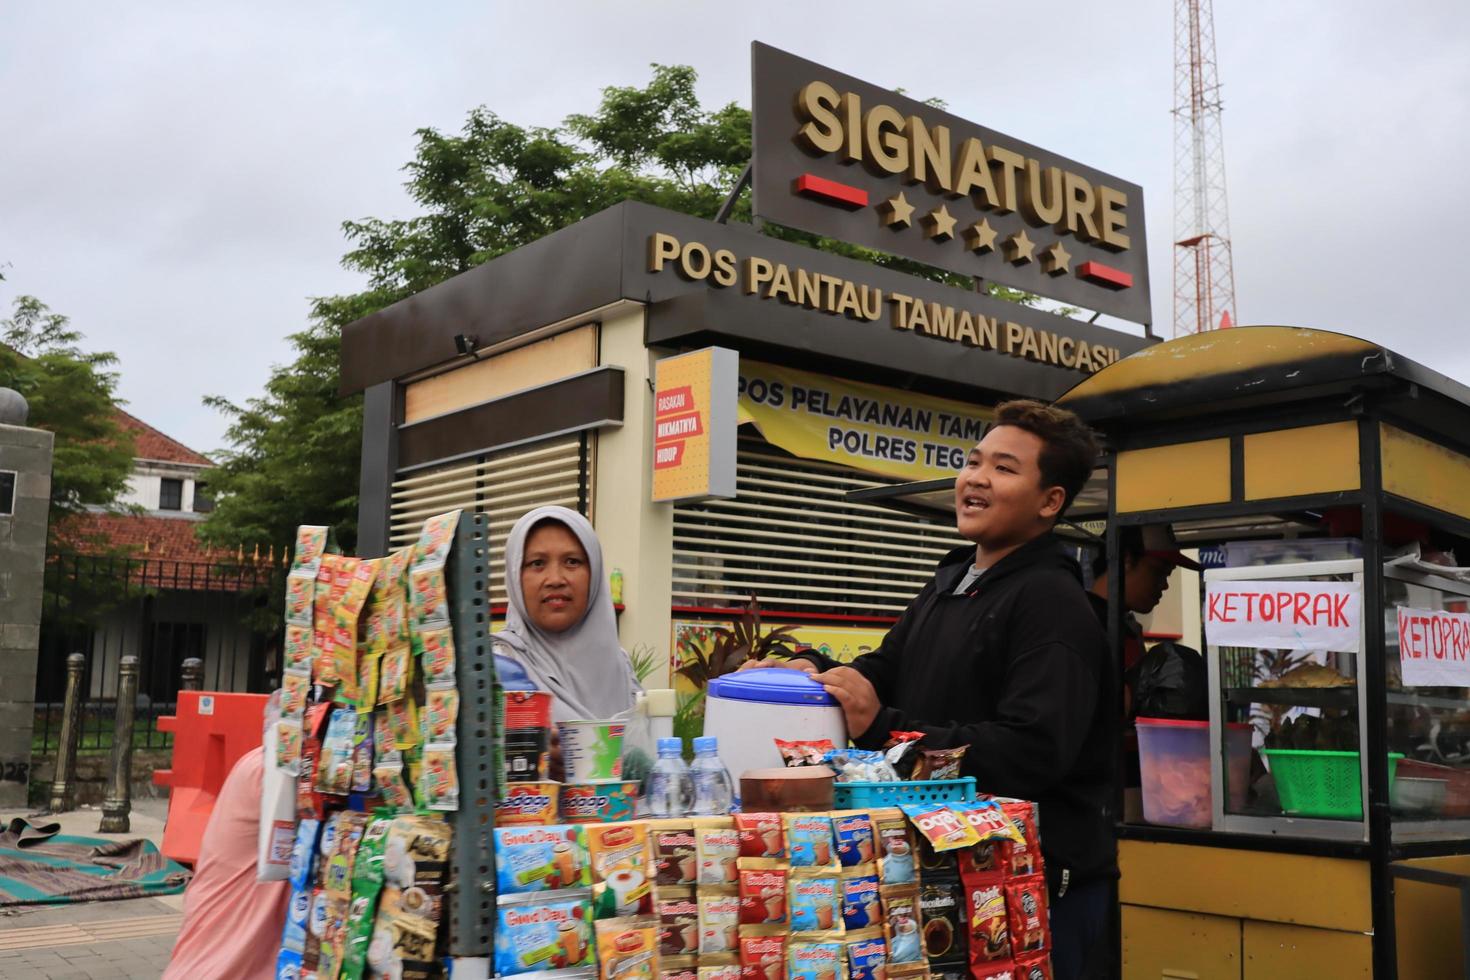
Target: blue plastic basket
868 796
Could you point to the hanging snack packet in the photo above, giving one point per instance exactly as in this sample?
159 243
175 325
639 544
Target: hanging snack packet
311 544
717 848
999 970
295 686
985 859
719 923
816 904
902 751
528 804
334 766
676 859
367 883
441 712
815 961
395 673
627 948
438 782
437 655
403 723
859 766
941 826
678 923
854 839
620 871
760 835
543 932
944 922
867 959
719 971
391 785
901 925
988 923
362 753
763 957
1033 966
417 850
803 753
529 859
436 538
895 849
1023 858
428 598
368 666
678 968
298 649
990 821
809 840
860 902
940 763
300 592
1026 903
762 892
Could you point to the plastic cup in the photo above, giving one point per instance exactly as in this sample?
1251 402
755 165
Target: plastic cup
591 750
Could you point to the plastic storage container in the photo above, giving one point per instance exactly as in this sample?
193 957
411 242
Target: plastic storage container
1273 552
1174 762
748 710
1319 783
867 796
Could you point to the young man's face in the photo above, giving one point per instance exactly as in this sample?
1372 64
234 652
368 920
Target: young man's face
998 497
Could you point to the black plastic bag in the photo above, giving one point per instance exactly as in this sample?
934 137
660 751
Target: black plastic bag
1170 681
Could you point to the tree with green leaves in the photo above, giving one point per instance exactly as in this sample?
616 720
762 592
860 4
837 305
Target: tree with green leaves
72 393
494 187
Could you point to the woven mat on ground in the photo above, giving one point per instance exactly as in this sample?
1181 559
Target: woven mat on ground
41 866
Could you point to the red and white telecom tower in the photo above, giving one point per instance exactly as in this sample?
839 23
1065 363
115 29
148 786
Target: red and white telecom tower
1204 277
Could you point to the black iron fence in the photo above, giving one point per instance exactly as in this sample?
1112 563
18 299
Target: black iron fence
162 611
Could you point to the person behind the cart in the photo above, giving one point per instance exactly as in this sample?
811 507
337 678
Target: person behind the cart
1170 677
1000 652
560 625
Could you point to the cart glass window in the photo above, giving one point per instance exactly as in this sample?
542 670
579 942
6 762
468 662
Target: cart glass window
1285 652
1427 645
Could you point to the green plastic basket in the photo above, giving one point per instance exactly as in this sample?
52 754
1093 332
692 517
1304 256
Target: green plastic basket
1319 783
866 796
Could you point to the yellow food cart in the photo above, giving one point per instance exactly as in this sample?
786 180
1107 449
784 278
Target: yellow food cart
1333 836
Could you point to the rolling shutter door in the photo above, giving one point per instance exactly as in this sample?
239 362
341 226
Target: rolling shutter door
790 538
505 485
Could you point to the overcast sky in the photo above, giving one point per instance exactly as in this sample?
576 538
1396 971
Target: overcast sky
174 175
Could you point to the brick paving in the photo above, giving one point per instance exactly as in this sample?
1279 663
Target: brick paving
122 940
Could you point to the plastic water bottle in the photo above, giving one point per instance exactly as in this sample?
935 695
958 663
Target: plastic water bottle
670 789
713 793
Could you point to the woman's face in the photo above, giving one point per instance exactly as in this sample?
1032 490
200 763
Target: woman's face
555 578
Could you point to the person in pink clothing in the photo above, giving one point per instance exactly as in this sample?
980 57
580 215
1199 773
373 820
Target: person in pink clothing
232 922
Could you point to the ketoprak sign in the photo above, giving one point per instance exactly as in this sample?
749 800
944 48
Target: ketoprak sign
840 157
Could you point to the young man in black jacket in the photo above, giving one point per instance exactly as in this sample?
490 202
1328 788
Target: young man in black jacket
1001 652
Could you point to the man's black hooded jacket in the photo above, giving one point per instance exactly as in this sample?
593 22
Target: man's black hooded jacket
1016 667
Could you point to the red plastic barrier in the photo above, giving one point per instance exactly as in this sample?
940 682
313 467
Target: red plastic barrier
212 731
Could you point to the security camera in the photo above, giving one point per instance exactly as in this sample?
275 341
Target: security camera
466 343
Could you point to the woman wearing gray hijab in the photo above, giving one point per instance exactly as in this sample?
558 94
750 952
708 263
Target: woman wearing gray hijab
560 625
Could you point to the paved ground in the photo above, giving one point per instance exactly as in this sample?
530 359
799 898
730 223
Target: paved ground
123 940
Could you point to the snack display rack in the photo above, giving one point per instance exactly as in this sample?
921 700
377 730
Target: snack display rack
471 908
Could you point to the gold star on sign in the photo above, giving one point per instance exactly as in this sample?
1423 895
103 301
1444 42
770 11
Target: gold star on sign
896 211
980 237
1055 260
1019 249
939 224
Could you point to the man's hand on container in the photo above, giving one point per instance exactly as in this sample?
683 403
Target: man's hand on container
799 663
856 695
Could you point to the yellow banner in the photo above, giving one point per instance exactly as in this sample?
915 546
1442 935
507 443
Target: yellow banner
867 427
